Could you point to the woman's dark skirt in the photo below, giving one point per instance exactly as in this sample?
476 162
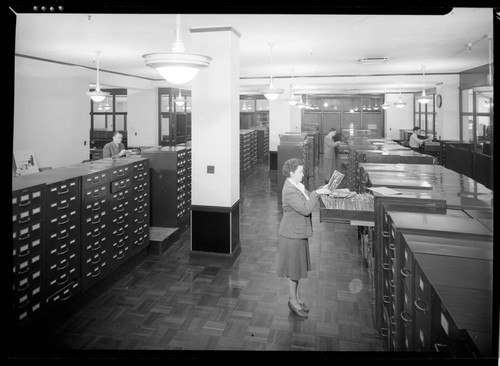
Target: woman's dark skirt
293 258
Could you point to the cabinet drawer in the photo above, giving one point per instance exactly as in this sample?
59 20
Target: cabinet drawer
62 220
95 233
92 247
140 188
64 295
94 220
61 273
120 185
22 267
140 199
93 180
95 194
62 235
24 198
119 173
94 207
120 196
139 241
61 249
140 176
62 204
120 222
27 215
119 208
27 281
28 305
66 188
26 239
140 166
120 254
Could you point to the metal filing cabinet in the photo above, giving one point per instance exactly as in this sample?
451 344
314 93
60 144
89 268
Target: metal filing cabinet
248 150
27 252
170 175
454 223
459 312
416 309
262 143
62 246
139 205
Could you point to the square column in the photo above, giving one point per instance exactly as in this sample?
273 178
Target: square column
215 144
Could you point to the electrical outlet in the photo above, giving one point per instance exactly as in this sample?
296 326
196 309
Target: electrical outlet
210 169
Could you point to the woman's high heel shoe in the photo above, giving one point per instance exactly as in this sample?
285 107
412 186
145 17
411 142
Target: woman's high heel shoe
297 311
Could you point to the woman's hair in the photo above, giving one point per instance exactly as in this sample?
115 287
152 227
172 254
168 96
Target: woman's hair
333 129
290 166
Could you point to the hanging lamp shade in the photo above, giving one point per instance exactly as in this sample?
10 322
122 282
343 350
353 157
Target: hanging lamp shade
293 99
179 101
423 99
272 93
400 104
177 67
487 90
97 95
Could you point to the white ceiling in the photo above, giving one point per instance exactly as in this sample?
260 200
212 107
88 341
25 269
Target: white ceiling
311 45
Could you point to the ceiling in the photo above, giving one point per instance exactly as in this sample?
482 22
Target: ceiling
310 45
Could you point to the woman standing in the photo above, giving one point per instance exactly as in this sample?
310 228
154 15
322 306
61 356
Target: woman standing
295 229
329 160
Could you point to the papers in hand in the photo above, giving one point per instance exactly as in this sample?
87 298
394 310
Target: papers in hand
384 191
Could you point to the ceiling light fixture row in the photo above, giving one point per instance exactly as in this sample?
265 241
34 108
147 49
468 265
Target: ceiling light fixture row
272 93
423 99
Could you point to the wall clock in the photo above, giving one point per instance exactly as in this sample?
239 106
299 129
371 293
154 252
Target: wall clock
439 101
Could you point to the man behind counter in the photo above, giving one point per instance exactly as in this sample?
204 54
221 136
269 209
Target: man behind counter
115 148
415 141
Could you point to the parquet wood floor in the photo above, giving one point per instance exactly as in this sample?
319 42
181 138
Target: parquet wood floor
170 302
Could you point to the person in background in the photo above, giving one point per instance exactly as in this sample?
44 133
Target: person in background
115 148
415 141
294 230
329 158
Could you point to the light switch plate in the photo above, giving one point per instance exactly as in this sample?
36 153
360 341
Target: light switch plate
210 169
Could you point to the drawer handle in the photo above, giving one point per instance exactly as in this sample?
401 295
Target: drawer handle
24 237
24 270
384 332
140 179
96 261
67 297
140 209
120 232
385 234
24 287
64 252
424 307
63 267
120 209
96 208
405 272
27 203
120 174
63 222
386 266
392 320
96 194
141 199
405 316
64 281
140 221
120 197
140 189
121 244
386 299
392 247
391 283
24 254
97 235
96 181
24 221
141 241
119 257
96 222
60 193
140 231
96 247
122 185
121 221
63 207
23 304
63 237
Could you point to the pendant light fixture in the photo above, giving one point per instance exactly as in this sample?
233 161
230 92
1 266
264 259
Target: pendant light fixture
107 107
293 99
177 67
423 99
97 95
487 90
272 93
400 104
179 101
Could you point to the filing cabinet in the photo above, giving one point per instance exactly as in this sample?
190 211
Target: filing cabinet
73 226
28 209
262 143
248 150
170 176
454 224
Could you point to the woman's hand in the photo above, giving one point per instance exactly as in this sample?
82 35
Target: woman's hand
323 190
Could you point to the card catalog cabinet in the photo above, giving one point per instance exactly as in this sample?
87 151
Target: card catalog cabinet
262 143
170 170
73 226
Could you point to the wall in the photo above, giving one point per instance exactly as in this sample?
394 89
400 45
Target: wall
448 116
51 112
398 119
